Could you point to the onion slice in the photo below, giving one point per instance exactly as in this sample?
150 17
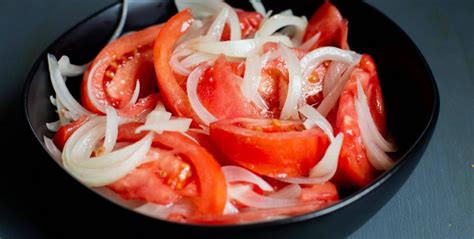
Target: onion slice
164 211
314 58
245 195
111 130
369 120
238 48
306 46
70 70
290 191
191 88
176 125
252 78
314 118
295 84
278 21
53 126
325 169
334 72
258 6
238 174
107 168
62 93
331 99
376 155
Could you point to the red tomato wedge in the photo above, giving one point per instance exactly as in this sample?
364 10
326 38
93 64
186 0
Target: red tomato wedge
64 132
219 91
118 67
174 96
329 22
249 24
211 182
270 147
354 169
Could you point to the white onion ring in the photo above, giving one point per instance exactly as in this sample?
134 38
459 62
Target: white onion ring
62 93
325 169
278 21
252 78
230 208
377 157
175 125
238 48
217 27
175 62
331 99
238 174
258 6
70 70
314 118
191 88
104 169
314 58
163 211
290 191
245 195
53 126
373 131
306 46
334 72
136 94
111 130
295 84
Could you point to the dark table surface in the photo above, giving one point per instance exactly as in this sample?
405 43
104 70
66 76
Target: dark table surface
437 201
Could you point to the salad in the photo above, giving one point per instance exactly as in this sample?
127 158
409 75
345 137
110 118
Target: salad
222 116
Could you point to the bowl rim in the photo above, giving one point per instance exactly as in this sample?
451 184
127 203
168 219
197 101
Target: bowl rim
381 179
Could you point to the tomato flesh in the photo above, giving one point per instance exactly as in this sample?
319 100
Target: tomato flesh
212 186
122 63
354 169
328 21
64 132
270 147
249 24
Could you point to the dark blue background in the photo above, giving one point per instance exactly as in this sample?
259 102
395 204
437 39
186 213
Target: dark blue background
436 202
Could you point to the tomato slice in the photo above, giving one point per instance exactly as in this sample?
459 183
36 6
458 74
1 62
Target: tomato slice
354 169
270 147
329 22
174 96
249 24
219 91
65 131
122 63
212 186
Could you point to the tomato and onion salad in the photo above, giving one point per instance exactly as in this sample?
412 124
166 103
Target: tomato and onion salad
222 116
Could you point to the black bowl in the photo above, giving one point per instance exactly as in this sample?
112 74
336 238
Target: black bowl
407 83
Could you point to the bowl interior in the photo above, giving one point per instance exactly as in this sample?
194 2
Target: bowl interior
407 84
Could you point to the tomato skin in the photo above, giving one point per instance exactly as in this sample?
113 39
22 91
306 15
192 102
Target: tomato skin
142 107
64 132
174 96
131 59
211 181
249 24
354 169
279 153
329 22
